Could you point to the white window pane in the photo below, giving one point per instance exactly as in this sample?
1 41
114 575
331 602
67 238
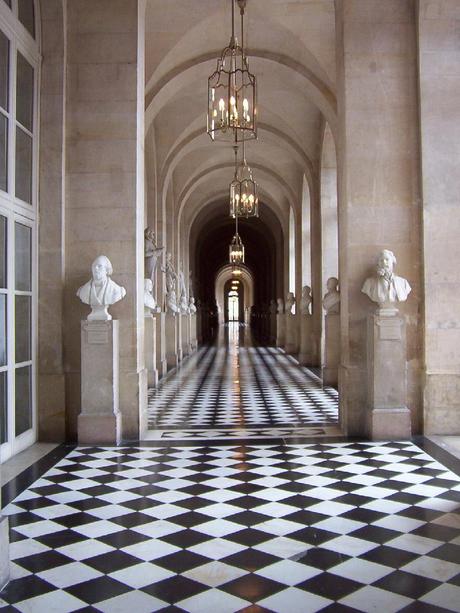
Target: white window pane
3 357
3 153
22 257
23 324
24 92
3 408
4 70
23 166
26 15
3 245
23 399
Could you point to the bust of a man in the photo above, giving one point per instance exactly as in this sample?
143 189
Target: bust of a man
386 288
149 301
290 302
192 305
331 300
100 292
280 302
305 301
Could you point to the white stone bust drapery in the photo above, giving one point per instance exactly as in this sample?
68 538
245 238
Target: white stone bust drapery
290 302
331 300
149 301
100 291
305 300
385 287
280 302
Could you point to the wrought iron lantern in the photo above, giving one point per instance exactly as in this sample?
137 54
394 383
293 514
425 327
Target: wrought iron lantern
244 199
232 91
236 249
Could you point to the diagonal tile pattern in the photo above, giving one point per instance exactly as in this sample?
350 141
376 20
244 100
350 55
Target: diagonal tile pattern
350 526
235 386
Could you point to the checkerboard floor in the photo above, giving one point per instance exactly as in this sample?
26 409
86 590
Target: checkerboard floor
238 384
350 526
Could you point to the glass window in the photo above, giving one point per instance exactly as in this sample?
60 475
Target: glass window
24 93
26 15
23 166
4 70
3 153
3 356
22 328
3 409
23 399
22 257
3 247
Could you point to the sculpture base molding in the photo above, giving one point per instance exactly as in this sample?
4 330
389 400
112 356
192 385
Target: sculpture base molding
389 424
100 420
330 371
291 345
4 552
172 359
99 429
150 342
162 365
305 350
280 329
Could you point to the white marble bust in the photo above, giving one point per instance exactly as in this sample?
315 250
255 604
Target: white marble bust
386 288
171 302
305 300
280 306
149 301
100 292
331 300
290 302
192 305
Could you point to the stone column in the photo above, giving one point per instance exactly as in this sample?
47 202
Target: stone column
292 333
306 355
162 365
330 370
100 419
171 336
439 82
388 417
104 142
150 348
280 329
378 169
4 546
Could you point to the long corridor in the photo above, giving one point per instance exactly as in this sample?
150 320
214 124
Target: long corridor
237 388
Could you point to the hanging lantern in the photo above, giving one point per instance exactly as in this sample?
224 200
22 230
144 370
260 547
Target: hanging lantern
244 199
236 250
232 92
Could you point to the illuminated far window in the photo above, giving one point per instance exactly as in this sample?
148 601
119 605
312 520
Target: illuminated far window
233 307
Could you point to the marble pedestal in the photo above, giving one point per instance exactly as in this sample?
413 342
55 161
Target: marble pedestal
306 340
185 334
171 325
330 369
292 334
150 349
162 365
388 416
4 547
100 419
280 329
193 335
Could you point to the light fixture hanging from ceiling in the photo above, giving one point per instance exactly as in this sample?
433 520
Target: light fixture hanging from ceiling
232 91
244 198
236 249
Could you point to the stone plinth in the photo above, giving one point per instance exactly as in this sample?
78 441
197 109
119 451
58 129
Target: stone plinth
193 334
388 416
306 340
280 329
150 348
331 349
162 365
292 334
171 325
185 334
100 420
272 320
